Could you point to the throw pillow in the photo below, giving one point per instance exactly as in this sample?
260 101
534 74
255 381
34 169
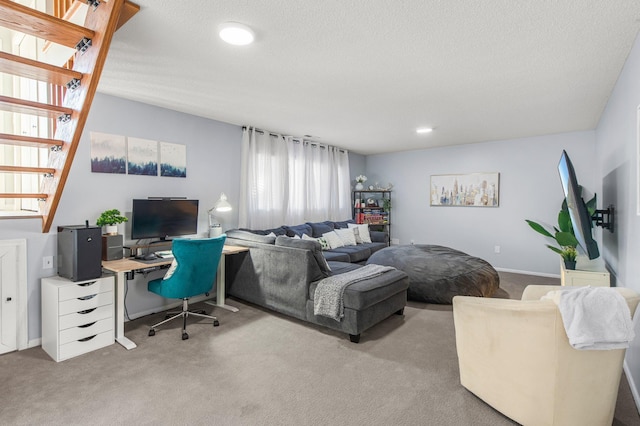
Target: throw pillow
363 231
333 239
323 243
347 236
319 228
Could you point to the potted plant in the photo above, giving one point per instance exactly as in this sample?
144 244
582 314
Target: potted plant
569 255
563 234
110 219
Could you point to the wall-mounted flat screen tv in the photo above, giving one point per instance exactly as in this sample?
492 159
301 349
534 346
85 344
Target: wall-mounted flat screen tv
580 217
163 218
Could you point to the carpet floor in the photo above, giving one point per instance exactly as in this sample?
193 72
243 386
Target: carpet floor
262 368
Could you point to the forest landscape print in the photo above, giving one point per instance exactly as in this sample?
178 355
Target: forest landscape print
108 153
173 160
142 157
127 155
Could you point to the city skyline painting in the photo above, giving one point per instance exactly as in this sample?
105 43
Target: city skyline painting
465 190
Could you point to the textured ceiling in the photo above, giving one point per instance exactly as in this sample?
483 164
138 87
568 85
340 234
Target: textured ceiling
364 74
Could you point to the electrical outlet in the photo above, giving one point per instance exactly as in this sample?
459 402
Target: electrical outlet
412 242
496 249
395 241
47 262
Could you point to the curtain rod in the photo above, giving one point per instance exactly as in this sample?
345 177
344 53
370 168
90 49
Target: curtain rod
296 139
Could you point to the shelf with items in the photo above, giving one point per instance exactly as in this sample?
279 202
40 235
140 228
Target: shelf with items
374 208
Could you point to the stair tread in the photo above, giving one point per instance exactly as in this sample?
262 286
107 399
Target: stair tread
25 67
24 169
39 24
23 106
19 140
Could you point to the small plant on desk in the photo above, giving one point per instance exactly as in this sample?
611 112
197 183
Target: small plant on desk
110 219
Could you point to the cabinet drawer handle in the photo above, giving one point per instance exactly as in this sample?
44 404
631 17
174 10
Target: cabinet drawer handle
87 325
87 311
86 339
91 296
87 284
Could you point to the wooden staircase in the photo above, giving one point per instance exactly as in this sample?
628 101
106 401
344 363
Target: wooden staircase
78 84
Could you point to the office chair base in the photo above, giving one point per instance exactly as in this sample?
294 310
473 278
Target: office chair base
183 314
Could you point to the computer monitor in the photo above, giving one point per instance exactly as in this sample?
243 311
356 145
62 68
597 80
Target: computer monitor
163 218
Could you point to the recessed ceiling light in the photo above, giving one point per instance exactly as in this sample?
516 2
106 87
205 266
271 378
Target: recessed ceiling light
424 130
236 33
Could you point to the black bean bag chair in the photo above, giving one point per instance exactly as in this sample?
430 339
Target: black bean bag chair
438 273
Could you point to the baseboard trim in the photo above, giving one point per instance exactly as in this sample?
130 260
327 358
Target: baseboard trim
517 271
632 385
33 343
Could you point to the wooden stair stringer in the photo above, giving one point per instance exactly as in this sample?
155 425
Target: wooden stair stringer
103 21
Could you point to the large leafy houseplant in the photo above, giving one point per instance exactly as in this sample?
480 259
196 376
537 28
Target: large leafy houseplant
563 234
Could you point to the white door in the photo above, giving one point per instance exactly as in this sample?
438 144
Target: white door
8 298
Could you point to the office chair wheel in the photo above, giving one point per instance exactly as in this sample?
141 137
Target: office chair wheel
185 336
216 323
152 332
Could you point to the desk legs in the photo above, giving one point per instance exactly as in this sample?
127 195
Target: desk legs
120 338
220 290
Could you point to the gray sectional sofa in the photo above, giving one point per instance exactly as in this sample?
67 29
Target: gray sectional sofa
281 273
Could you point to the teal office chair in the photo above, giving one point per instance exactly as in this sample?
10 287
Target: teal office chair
192 273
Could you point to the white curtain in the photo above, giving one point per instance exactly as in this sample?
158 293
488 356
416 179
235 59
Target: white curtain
288 181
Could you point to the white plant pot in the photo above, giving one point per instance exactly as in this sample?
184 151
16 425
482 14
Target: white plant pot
111 229
359 186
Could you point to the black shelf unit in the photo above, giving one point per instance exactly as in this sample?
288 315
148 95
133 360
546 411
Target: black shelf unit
373 207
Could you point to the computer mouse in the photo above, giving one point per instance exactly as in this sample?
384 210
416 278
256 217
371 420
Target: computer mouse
150 256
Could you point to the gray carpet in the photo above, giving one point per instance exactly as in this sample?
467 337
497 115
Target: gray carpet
261 368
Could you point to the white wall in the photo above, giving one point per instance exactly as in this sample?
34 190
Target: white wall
529 189
213 166
617 159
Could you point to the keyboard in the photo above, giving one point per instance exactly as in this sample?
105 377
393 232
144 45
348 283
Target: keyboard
165 254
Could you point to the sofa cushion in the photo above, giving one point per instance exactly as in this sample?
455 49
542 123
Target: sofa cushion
250 236
312 246
298 230
357 253
342 224
334 256
365 293
319 228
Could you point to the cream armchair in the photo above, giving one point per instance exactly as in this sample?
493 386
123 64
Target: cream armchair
515 355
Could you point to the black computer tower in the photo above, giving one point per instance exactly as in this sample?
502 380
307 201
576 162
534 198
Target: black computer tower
79 252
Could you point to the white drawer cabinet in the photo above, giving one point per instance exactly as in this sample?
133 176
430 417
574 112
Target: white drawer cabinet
77 317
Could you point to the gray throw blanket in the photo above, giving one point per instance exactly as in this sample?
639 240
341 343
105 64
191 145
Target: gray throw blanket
328 300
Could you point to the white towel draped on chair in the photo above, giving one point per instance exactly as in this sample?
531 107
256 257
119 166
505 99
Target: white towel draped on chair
595 318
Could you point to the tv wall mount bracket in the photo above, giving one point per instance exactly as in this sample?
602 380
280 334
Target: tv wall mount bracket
604 218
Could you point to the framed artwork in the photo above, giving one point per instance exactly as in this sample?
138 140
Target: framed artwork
173 159
142 157
108 153
465 190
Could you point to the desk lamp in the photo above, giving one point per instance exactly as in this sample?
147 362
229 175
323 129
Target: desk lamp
222 205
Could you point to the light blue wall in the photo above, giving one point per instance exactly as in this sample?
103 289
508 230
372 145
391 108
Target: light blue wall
617 162
529 189
213 166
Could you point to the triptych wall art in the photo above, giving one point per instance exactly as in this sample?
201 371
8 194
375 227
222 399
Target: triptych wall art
135 156
466 190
